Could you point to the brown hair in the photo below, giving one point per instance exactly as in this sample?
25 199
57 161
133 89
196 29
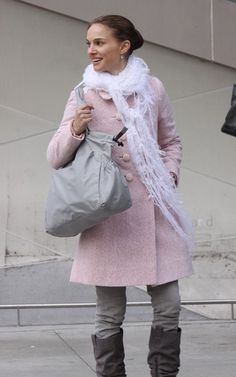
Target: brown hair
123 29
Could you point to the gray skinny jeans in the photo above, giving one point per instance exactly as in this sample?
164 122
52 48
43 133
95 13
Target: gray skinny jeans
111 308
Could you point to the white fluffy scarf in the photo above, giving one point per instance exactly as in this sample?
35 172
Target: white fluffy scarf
141 119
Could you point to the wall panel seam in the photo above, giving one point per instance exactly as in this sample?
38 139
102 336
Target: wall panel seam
175 100
212 32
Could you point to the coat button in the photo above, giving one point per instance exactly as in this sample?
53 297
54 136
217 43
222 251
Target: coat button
129 177
126 157
118 117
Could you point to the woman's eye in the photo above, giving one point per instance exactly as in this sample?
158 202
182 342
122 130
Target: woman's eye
97 43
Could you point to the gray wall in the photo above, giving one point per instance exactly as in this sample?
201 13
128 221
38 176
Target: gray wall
44 57
204 28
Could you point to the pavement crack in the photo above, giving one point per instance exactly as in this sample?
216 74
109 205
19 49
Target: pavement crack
74 351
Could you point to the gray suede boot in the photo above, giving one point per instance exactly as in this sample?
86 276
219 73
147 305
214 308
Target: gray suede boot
164 351
109 355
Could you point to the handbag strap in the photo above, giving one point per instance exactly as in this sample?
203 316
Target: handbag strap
79 93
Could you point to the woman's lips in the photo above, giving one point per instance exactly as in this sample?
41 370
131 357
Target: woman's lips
96 61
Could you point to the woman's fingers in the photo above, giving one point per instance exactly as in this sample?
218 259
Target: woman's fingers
81 114
86 106
84 110
83 117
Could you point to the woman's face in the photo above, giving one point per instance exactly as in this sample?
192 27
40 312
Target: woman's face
104 50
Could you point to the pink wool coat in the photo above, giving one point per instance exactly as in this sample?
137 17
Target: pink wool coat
137 246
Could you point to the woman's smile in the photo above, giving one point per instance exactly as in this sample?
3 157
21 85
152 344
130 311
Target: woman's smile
96 61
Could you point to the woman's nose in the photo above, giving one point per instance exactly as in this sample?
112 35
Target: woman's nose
91 49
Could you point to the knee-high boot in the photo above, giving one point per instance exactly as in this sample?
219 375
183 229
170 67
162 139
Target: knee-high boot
164 351
109 355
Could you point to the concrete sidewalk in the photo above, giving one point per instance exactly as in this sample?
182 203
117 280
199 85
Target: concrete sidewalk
208 350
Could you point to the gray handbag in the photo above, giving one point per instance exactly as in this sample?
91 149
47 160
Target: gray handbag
89 189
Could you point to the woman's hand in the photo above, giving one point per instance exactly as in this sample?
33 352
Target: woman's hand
82 118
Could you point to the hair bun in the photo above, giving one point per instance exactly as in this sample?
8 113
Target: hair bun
138 40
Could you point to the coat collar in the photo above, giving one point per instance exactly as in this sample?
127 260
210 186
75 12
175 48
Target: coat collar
105 95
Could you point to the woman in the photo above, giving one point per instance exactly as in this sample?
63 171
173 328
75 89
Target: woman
147 244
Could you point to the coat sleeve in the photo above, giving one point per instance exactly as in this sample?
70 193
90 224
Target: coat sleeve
64 144
168 138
